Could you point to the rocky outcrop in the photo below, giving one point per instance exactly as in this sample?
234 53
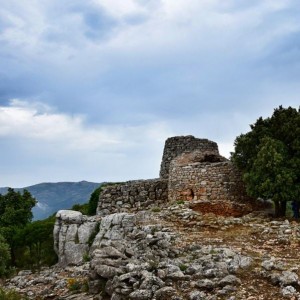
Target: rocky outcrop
72 232
139 261
177 253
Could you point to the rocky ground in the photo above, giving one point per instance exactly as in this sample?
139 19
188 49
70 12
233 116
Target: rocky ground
178 253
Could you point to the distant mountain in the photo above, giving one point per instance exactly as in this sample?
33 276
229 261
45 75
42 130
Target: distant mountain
52 197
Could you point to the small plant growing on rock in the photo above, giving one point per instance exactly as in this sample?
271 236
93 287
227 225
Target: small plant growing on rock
156 209
93 235
76 238
74 285
183 267
180 202
86 257
153 264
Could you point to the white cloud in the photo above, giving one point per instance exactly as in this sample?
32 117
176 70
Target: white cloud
58 145
37 121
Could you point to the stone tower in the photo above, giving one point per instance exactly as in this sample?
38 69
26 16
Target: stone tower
178 145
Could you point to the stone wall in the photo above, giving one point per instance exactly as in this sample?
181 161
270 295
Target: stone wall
132 196
180 144
212 183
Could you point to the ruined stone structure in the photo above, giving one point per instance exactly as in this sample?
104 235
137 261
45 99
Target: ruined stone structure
215 187
191 169
132 196
177 145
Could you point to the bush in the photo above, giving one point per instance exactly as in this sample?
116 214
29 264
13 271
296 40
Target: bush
34 245
83 208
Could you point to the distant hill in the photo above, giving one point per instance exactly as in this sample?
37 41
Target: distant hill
52 197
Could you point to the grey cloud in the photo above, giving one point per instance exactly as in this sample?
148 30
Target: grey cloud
99 25
204 79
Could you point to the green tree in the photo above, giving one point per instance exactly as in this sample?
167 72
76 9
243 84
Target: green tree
83 208
269 157
15 213
4 256
93 202
34 244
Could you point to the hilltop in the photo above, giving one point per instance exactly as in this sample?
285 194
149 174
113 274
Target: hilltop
191 234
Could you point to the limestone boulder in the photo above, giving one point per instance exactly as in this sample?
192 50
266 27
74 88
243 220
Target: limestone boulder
72 232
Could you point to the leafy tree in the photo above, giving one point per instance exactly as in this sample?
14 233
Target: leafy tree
15 213
4 256
83 208
93 202
34 244
269 157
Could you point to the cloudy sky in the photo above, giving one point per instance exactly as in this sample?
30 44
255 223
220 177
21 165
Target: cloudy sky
90 89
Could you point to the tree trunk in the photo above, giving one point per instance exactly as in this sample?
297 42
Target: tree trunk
12 256
277 209
283 208
280 209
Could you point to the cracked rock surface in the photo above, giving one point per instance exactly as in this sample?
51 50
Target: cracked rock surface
174 253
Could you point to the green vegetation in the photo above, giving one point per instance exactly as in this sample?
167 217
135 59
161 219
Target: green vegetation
156 209
83 208
77 285
26 244
93 235
90 208
86 257
23 244
10 295
183 267
15 213
269 157
93 202
56 196
34 245
180 202
4 256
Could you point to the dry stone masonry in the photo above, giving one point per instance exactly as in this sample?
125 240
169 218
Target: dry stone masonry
177 145
132 196
214 187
